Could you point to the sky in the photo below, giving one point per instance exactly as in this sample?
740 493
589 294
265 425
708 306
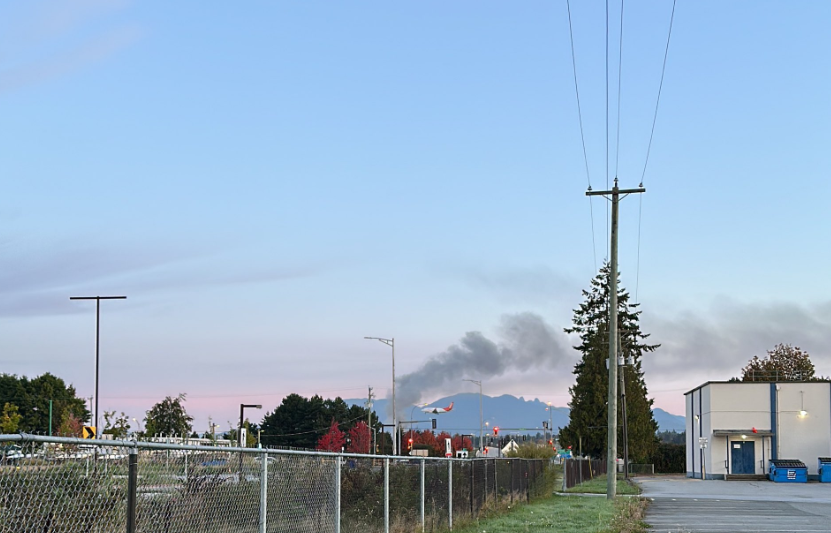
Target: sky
270 182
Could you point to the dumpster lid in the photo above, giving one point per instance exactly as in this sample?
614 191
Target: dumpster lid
825 459
787 463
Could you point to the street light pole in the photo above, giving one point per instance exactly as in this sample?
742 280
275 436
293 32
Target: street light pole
481 414
97 322
391 344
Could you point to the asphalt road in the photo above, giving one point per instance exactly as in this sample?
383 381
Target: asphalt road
687 505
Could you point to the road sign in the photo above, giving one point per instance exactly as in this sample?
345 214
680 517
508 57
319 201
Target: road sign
448 447
88 432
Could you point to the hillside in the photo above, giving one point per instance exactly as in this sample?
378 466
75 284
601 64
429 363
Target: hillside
509 413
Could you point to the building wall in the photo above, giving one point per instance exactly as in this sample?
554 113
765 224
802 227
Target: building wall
738 406
804 437
768 408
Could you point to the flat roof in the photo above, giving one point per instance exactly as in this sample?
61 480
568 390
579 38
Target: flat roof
753 383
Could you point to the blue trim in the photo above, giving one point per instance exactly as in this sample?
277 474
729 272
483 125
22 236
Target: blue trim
701 430
692 433
773 409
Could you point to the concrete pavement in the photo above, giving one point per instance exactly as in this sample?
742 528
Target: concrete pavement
680 504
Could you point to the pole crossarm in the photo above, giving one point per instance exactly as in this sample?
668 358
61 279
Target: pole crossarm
616 191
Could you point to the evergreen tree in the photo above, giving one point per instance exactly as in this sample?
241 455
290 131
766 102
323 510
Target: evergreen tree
586 429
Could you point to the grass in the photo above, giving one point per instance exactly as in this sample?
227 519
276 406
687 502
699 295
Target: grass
598 486
567 514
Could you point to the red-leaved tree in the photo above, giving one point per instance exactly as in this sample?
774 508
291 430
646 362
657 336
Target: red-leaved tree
333 440
459 442
360 440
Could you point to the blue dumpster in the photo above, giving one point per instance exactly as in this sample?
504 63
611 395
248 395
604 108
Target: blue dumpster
824 469
788 471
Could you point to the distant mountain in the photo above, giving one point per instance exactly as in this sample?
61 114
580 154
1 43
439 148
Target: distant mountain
668 422
509 413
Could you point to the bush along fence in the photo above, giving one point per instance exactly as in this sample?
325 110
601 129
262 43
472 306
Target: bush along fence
68 485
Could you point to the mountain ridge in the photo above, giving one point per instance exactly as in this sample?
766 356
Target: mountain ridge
510 413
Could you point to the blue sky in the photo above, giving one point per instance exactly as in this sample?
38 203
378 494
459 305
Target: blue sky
270 183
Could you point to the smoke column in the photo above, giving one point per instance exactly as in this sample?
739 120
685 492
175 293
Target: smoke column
528 343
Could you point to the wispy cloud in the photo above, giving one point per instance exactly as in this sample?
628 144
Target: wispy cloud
511 285
54 39
38 281
721 341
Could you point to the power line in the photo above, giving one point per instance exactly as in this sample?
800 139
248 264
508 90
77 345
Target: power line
649 146
607 122
582 134
660 88
619 78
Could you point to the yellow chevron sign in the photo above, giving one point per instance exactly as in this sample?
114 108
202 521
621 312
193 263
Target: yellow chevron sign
88 432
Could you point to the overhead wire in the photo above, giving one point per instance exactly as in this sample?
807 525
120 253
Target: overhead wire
582 134
608 251
649 146
619 84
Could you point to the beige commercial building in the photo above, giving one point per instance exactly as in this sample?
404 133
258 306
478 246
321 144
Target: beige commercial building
736 428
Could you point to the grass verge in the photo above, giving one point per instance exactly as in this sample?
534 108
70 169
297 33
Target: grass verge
567 514
598 486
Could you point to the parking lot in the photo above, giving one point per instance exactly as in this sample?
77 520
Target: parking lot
681 504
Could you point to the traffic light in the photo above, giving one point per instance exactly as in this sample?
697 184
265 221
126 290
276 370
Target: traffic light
496 430
410 440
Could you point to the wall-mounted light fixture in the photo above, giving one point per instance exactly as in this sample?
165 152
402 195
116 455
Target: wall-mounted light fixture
697 417
802 412
744 437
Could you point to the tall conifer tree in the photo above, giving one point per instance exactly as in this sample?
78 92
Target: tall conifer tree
589 415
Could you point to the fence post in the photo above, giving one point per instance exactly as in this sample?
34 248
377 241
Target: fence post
472 479
450 494
132 482
386 495
495 481
565 474
264 493
338 460
422 494
485 485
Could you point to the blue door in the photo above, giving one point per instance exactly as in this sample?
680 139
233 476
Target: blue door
743 457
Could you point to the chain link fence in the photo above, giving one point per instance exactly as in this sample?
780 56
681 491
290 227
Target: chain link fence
67 485
576 471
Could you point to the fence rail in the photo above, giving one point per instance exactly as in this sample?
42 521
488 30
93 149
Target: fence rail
66 485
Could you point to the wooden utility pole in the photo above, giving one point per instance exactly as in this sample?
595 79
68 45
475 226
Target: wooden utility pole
611 448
